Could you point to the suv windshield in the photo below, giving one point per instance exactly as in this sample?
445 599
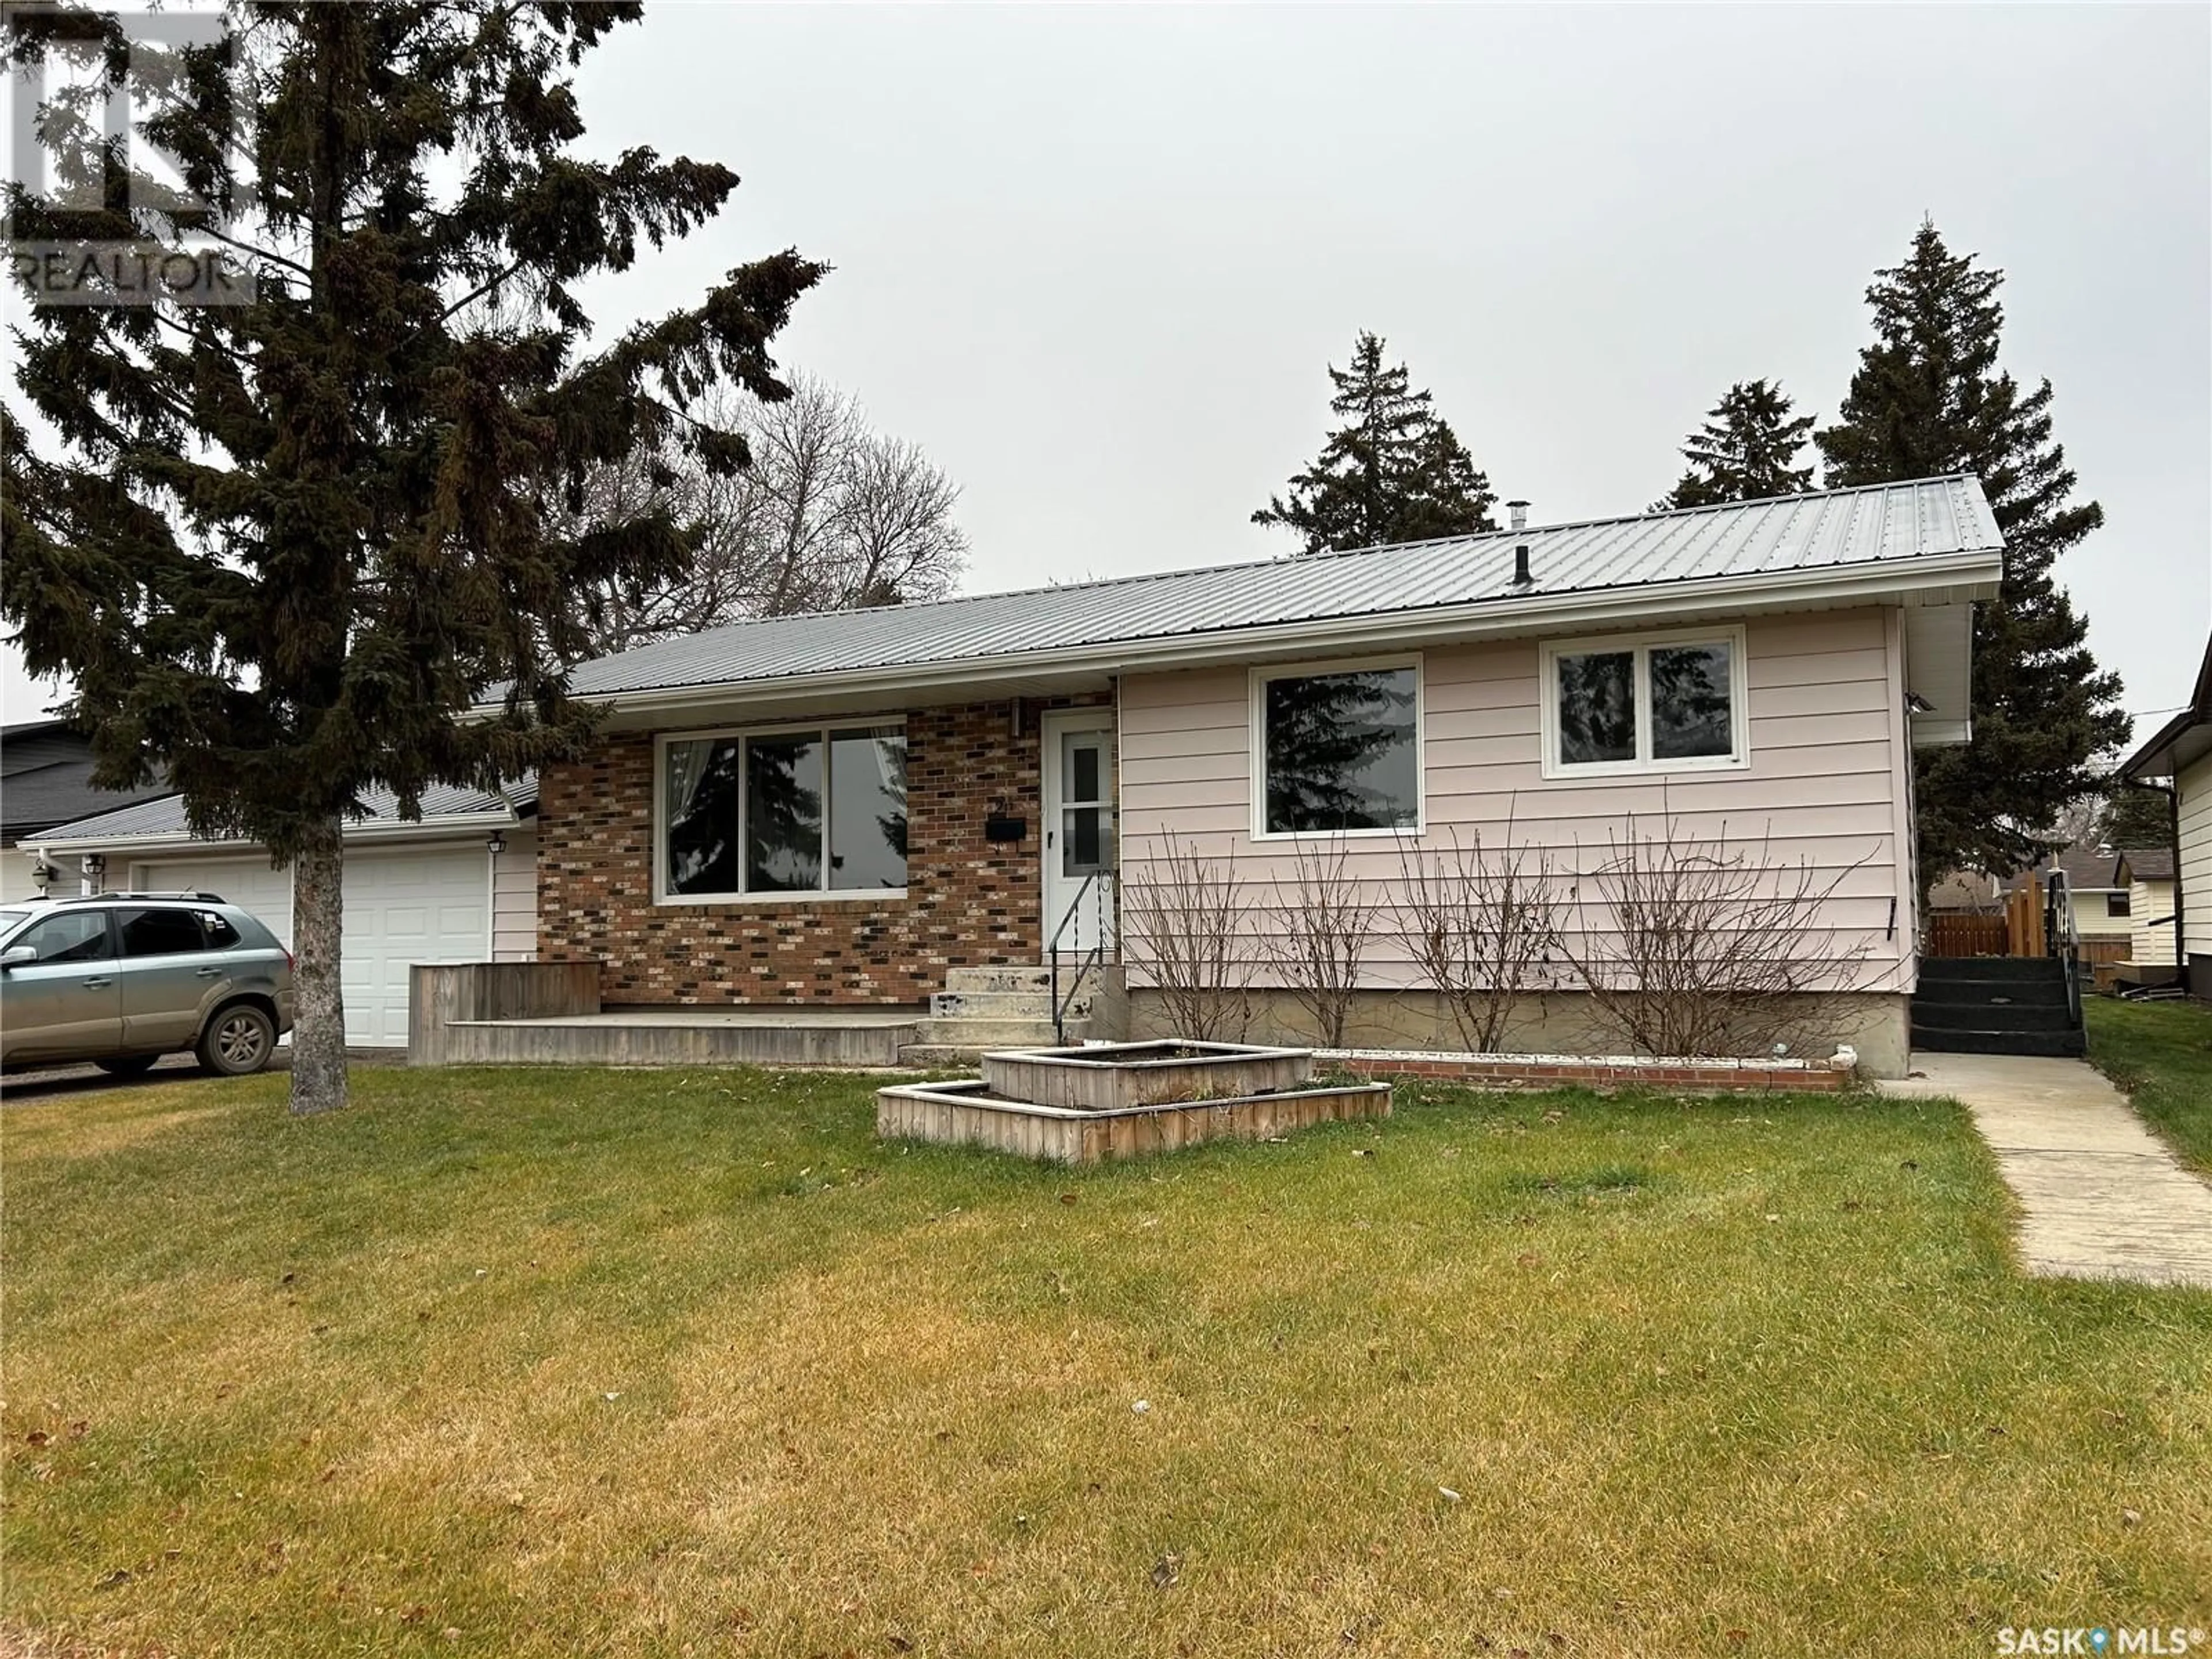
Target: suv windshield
9 918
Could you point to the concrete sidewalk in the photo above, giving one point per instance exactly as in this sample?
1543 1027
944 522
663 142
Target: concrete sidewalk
2100 1196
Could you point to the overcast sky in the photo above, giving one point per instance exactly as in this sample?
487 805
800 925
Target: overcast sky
1095 260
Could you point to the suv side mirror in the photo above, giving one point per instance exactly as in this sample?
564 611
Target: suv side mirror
15 955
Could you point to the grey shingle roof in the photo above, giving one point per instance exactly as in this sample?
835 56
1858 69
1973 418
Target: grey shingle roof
1893 524
165 816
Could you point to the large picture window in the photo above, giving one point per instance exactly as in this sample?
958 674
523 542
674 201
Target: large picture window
1338 749
1645 705
817 810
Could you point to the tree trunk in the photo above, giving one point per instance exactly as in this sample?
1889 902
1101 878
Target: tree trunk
319 1058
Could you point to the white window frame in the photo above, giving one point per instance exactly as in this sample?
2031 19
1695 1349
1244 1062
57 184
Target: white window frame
663 897
1262 677
1645 764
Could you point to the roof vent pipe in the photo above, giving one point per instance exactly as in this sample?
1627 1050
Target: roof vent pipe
1519 511
1521 576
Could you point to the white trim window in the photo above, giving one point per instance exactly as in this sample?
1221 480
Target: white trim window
1336 748
1635 703
812 811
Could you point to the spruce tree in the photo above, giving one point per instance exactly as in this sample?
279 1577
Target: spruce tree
284 549
1747 451
2138 818
1394 471
1929 398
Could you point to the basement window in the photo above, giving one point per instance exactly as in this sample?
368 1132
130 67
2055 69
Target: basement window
813 809
1338 749
1644 704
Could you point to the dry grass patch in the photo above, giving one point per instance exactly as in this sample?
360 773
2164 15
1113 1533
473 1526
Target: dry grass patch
664 1362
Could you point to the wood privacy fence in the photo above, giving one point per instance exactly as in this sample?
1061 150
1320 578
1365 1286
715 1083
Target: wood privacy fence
2017 931
1961 934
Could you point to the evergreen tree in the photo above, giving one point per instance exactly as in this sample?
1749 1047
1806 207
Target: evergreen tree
1747 451
1928 398
284 548
1393 472
2139 818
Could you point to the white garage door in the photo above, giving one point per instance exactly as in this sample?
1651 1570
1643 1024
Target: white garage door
431 905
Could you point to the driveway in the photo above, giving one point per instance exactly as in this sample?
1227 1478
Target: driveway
2100 1196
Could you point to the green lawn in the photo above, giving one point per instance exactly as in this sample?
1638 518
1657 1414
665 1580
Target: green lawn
551 1363
2161 1054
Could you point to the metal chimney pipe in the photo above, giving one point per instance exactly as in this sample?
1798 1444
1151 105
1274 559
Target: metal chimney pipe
1521 576
1519 511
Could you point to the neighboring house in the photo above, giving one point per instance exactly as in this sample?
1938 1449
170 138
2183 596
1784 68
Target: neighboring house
2148 873
2179 756
839 808
1966 892
459 885
45 779
2103 907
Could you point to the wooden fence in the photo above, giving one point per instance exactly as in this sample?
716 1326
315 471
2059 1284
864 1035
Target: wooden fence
1962 933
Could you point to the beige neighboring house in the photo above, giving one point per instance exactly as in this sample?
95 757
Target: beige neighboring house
2148 873
2179 756
2104 908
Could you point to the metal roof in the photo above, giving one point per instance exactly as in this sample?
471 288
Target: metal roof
1886 524
164 819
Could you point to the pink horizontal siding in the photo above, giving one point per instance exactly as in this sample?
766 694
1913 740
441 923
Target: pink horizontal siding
1826 784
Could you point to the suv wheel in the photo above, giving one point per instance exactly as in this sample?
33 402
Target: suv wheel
238 1040
128 1065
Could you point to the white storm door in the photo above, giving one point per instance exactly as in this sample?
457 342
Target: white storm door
1078 830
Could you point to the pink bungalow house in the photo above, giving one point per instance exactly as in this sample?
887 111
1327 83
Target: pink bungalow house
885 821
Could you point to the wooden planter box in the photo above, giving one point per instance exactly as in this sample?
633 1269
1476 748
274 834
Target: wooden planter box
967 1114
1107 1077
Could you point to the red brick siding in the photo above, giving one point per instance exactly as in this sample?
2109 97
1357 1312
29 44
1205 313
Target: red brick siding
969 902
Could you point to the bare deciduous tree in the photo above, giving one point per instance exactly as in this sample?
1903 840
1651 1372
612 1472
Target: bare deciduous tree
1708 946
825 514
1325 922
1481 924
1180 916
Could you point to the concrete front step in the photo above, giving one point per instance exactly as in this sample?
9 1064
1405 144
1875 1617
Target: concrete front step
977 1035
1007 1004
1985 1016
963 980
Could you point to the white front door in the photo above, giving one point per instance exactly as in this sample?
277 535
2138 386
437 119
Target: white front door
1078 830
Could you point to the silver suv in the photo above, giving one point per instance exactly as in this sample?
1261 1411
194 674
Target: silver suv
122 979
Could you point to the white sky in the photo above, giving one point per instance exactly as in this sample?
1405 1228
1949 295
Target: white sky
1094 259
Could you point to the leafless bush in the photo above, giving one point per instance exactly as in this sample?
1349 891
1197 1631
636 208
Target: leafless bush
1180 916
1711 947
1482 926
1325 922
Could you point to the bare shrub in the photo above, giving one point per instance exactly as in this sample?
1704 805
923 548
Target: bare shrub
1711 947
1180 917
1326 923
1481 924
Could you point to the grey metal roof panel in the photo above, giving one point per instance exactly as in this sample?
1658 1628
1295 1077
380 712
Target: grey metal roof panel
1886 523
165 816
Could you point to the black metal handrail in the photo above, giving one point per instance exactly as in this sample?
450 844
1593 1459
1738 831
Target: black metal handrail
2062 938
1094 957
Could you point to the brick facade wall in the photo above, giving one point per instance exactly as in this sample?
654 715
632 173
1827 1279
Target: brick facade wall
969 902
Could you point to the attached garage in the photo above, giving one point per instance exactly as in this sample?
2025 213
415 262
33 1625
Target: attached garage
403 905
439 894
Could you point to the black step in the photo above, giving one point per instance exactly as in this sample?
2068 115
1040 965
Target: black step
1991 994
1999 1043
1980 1017
1946 970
